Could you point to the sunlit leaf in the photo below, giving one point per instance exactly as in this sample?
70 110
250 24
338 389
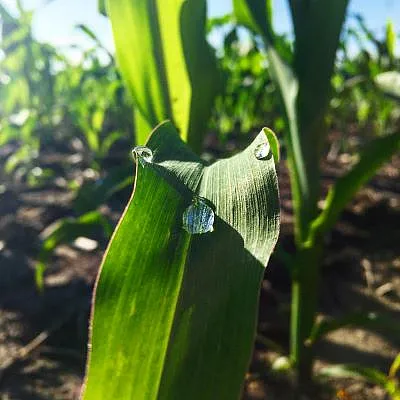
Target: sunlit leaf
166 62
394 368
390 39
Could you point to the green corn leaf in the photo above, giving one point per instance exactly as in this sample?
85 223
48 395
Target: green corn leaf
371 375
355 371
101 6
389 83
390 39
274 143
365 320
174 314
304 88
88 32
255 15
166 62
394 367
318 22
371 158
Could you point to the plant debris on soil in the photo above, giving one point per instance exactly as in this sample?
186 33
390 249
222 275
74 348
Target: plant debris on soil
43 336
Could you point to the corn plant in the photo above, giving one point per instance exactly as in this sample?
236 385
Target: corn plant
304 86
175 304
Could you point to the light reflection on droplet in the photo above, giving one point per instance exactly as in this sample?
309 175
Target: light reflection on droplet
198 218
262 151
143 154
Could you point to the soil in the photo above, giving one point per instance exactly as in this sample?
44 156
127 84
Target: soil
360 272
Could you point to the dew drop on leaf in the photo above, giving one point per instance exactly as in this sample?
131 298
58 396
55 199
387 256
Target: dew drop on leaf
262 151
143 154
198 218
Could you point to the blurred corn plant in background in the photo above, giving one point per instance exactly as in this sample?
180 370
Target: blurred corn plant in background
248 98
48 99
50 104
304 85
356 104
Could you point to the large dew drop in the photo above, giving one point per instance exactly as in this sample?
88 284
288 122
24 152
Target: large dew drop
262 151
143 154
198 218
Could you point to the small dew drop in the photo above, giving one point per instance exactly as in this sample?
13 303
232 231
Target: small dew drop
262 151
198 218
143 154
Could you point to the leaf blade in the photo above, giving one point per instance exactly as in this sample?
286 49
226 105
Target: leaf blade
167 63
212 292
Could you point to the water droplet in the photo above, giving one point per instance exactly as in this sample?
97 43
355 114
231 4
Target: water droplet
143 154
198 217
262 151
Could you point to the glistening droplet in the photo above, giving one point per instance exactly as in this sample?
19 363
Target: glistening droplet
143 154
262 151
198 218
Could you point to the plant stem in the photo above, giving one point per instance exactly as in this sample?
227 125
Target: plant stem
304 306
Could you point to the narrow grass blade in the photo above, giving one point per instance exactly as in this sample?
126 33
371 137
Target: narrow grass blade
174 314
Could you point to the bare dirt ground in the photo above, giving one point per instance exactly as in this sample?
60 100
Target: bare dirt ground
43 335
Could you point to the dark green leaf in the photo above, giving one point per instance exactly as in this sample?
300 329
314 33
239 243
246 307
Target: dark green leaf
101 5
174 313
